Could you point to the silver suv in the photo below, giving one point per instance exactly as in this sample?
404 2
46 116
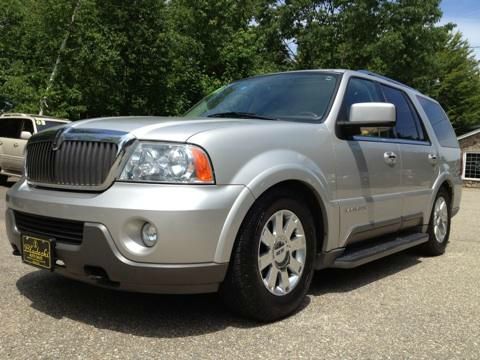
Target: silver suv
15 130
261 183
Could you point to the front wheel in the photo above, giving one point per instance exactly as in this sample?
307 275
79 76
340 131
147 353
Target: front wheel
439 227
272 262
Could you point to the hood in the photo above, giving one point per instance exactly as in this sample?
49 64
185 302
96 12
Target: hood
157 128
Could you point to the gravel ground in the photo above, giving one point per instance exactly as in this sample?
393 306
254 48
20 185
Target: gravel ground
400 307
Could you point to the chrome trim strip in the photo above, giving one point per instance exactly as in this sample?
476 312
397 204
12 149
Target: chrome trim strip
390 140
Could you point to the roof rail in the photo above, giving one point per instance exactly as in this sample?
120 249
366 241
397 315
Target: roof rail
7 114
14 114
371 73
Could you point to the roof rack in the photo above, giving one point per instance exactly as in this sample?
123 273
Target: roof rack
371 73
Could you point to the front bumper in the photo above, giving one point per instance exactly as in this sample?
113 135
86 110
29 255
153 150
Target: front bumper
189 222
97 261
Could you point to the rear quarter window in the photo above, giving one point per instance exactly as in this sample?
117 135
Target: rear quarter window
439 120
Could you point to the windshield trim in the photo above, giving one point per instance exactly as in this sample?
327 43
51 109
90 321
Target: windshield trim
338 79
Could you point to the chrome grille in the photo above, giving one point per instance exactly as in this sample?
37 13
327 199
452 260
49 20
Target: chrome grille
75 163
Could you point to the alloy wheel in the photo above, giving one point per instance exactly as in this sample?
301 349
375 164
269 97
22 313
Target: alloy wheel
282 252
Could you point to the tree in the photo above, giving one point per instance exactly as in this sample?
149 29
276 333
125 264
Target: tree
457 84
29 47
116 59
225 39
396 38
159 57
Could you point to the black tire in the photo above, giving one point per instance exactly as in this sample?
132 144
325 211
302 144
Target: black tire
434 246
243 290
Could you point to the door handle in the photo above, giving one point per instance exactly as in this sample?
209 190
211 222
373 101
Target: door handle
15 145
432 158
390 158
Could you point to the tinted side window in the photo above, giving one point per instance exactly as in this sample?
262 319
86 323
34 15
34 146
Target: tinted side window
10 128
408 126
359 91
440 123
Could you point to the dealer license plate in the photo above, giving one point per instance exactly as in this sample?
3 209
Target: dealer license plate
37 251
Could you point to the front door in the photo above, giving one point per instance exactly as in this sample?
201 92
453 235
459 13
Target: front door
368 174
18 151
10 129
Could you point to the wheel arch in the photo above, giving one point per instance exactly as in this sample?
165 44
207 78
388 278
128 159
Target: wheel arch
443 182
295 179
449 188
314 203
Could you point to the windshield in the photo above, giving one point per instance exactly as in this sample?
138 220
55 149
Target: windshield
289 96
45 124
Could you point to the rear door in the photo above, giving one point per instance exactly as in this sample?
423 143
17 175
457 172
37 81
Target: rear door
449 158
10 129
419 158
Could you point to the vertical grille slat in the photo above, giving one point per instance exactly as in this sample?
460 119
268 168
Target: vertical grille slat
28 161
89 156
106 156
82 165
73 157
36 159
99 154
76 163
69 162
43 162
56 176
51 175
61 167
39 161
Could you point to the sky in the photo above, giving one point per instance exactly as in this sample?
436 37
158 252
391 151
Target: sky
466 14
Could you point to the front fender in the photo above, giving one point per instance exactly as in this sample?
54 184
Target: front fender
259 175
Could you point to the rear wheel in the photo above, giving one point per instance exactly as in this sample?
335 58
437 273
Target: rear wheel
272 262
439 227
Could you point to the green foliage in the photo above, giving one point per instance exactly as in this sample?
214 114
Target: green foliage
161 56
395 38
457 84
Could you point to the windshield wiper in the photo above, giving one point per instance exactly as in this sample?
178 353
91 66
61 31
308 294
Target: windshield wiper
240 115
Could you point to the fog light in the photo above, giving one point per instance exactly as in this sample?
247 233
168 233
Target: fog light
149 234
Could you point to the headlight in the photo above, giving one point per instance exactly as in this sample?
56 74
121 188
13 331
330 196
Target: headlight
168 163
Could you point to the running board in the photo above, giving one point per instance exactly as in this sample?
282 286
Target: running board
384 247
10 173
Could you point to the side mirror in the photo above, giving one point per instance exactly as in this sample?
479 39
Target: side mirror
25 135
371 115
